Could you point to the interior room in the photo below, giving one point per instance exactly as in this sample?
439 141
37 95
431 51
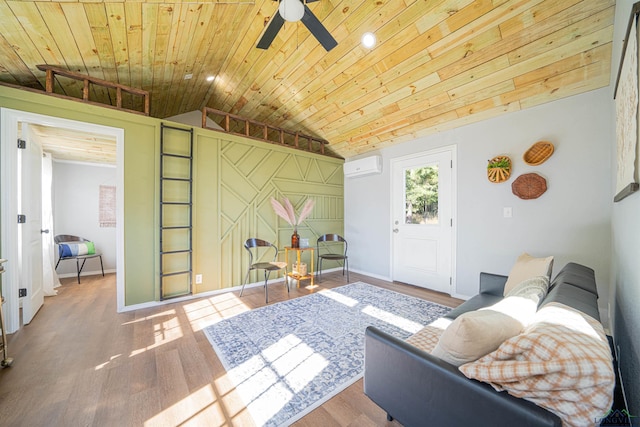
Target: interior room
292 207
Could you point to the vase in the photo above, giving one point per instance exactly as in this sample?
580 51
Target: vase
295 239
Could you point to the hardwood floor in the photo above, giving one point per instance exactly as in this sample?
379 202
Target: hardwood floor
79 363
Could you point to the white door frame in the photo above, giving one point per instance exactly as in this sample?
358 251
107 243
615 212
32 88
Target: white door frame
454 212
9 120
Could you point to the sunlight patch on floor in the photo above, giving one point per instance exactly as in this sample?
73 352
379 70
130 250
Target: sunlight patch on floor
164 327
205 312
166 313
111 359
185 410
394 319
337 296
265 389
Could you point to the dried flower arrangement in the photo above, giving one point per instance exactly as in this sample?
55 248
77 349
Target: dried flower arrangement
286 211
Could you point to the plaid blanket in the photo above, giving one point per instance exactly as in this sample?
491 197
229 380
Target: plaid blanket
561 362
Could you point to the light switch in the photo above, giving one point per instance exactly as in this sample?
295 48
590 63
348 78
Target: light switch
507 212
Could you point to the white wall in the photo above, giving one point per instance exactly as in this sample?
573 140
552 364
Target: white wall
193 118
625 289
75 211
570 221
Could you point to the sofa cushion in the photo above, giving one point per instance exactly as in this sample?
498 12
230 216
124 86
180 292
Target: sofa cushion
574 297
474 334
577 275
492 283
527 267
561 362
474 303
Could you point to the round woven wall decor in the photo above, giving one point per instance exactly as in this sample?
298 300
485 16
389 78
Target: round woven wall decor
499 169
529 186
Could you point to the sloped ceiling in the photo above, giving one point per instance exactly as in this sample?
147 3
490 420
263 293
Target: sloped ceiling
438 64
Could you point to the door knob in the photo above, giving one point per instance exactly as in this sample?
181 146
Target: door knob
395 230
45 231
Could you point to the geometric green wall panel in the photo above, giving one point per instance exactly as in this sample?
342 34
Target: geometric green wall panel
234 181
268 169
232 205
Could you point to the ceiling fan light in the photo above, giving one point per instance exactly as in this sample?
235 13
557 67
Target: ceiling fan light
291 10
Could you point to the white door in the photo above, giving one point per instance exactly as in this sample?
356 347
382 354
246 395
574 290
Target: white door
422 216
30 193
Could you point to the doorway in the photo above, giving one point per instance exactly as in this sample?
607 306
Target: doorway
423 226
15 276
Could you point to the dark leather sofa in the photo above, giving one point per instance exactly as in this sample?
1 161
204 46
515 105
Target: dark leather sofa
419 389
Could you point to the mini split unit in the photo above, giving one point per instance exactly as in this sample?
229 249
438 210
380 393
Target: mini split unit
361 167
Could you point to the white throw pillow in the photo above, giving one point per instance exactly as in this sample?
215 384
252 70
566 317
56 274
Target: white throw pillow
475 334
534 289
527 267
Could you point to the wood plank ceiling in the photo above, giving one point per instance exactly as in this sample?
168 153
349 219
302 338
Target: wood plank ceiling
73 145
438 64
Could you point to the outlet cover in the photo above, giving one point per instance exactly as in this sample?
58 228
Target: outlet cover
198 279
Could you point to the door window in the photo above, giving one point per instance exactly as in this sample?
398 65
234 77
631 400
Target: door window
421 195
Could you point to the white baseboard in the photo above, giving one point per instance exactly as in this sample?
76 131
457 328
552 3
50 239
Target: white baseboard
206 294
85 273
366 273
388 279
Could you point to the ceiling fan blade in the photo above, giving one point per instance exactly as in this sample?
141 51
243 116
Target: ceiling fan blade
318 30
277 21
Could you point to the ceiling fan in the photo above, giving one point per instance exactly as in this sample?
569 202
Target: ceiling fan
293 11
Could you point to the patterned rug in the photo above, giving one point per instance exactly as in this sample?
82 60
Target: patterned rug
288 358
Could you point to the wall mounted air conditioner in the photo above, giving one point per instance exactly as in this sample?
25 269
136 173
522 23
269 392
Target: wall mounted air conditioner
361 167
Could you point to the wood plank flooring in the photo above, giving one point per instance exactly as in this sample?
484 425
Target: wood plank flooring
79 363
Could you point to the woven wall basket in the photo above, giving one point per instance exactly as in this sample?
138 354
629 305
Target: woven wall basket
538 153
529 186
499 174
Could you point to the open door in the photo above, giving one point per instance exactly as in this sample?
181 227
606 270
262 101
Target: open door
30 252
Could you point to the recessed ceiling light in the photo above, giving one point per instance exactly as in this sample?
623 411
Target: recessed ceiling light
368 40
210 78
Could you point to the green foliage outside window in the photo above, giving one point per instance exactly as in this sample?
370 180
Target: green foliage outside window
421 195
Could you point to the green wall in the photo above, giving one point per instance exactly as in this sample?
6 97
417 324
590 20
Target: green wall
234 179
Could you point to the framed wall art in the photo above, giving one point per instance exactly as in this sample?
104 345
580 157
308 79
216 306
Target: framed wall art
626 101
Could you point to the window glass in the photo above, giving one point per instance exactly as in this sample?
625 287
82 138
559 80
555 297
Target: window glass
421 195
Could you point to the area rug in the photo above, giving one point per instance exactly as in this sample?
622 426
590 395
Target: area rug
288 358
